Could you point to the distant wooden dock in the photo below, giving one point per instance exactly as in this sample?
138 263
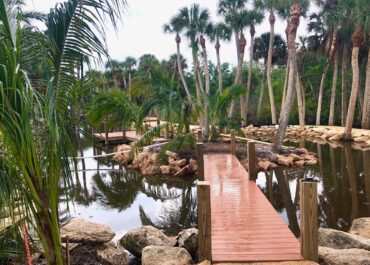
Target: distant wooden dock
131 136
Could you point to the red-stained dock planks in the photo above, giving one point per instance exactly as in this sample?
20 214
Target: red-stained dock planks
245 226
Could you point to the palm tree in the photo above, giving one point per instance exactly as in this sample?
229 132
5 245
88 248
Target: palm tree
279 56
191 21
271 6
130 63
36 127
360 13
253 18
219 33
295 13
174 27
147 64
114 66
235 18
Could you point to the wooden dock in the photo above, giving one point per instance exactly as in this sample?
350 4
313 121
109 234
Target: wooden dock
244 225
131 136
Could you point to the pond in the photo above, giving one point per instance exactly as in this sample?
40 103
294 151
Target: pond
104 193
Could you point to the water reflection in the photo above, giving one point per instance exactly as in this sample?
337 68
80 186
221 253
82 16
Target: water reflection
343 190
104 193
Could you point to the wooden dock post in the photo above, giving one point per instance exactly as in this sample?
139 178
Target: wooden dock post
309 219
252 169
106 134
200 158
233 142
199 136
204 221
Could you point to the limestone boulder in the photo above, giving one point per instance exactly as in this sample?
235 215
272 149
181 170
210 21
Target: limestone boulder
351 256
136 240
157 255
180 163
113 254
341 240
193 165
284 160
173 155
188 239
151 170
186 170
361 227
165 169
81 231
122 147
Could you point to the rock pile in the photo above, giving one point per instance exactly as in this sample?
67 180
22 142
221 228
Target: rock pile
177 166
353 248
146 163
96 238
331 134
155 248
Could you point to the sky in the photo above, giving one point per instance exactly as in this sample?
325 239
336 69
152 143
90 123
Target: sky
141 30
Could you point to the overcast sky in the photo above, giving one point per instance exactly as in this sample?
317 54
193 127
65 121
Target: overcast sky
141 31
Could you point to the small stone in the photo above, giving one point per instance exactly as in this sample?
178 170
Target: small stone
341 240
113 254
183 171
151 170
135 240
284 160
193 165
165 170
172 155
157 255
352 256
85 232
295 157
361 227
264 165
310 162
188 239
361 139
180 163
300 163
122 147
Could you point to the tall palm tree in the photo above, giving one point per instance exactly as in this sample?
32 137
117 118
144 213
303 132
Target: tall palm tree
40 156
271 6
173 27
253 18
234 14
130 63
114 66
190 22
359 11
295 13
279 56
220 32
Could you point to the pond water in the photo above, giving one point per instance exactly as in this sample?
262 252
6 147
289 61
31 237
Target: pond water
104 193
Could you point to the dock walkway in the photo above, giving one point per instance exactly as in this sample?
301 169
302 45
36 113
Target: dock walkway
244 225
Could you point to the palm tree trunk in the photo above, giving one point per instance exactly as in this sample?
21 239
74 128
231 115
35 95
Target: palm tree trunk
269 67
365 123
334 89
208 85
285 84
115 79
124 77
237 41
217 47
357 39
295 12
129 78
344 84
197 85
262 92
179 67
299 101
250 69
323 78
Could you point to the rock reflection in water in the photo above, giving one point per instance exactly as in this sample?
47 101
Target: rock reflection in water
343 190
